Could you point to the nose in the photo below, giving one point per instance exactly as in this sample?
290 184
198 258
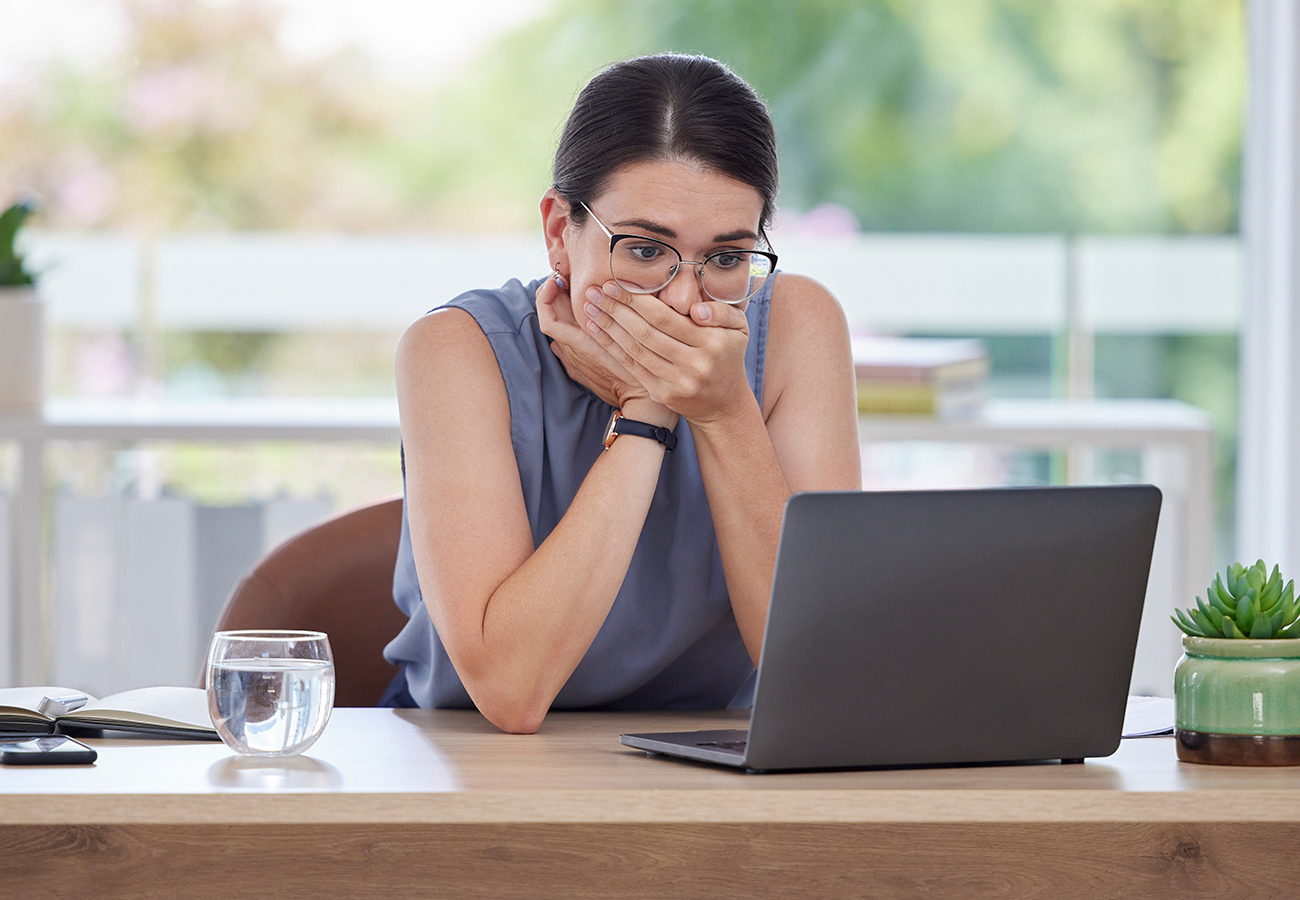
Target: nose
684 290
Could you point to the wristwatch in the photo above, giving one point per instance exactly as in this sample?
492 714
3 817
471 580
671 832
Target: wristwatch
618 424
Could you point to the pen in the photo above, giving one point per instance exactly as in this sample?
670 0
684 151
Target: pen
57 706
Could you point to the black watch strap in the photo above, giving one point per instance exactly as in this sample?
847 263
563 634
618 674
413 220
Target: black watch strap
658 433
623 425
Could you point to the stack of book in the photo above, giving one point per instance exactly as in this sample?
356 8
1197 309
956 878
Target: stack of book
941 377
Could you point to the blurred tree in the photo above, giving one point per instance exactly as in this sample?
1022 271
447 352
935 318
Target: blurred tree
205 123
984 115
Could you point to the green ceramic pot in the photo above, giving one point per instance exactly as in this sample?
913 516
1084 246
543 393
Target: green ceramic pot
1237 702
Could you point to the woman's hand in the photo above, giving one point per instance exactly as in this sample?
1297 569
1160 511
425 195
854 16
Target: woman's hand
694 365
584 359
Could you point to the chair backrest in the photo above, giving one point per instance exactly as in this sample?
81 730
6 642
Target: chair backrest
336 577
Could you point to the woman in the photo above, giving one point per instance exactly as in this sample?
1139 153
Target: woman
596 463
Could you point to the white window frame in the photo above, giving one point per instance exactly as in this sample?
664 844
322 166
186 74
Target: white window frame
1268 479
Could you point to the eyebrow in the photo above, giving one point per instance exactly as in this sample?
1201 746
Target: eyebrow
664 231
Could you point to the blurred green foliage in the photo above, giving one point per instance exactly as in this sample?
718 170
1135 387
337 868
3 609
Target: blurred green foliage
282 364
982 115
13 266
1200 369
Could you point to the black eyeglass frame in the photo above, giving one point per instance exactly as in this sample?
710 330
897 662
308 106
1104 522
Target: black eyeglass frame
698 265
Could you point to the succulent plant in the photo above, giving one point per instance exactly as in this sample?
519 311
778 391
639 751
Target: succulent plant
13 271
1244 603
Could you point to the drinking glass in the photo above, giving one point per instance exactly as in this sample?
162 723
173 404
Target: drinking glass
270 693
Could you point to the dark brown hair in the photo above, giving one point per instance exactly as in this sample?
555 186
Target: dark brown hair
665 107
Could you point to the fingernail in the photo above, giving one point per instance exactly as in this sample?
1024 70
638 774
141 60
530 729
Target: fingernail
593 294
592 310
612 289
705 312
593 328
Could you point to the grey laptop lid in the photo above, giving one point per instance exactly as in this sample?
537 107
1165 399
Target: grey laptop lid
955 626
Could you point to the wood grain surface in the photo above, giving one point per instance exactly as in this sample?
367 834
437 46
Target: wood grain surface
1062 861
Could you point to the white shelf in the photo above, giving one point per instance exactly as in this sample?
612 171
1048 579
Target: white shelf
251 419
1052 423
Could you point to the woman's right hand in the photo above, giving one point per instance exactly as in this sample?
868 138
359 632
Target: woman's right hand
586 361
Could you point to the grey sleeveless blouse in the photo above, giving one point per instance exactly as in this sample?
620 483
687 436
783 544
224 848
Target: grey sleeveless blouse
670 640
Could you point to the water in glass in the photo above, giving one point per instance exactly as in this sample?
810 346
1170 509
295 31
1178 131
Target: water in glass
270 697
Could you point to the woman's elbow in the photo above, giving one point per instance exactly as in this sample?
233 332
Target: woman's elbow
510 712
504 698
519 722
510 692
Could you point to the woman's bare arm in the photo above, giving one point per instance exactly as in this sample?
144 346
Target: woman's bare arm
515 620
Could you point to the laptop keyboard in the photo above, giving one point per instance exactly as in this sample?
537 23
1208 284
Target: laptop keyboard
733 746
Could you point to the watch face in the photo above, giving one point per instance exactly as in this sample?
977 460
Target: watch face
610 434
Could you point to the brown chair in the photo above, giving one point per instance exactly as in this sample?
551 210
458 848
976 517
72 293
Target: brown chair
336 577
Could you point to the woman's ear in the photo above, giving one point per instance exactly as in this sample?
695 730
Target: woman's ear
555 225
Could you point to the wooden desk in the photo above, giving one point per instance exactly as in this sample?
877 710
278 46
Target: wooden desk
438 803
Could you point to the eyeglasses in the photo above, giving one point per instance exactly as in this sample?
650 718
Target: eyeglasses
644 265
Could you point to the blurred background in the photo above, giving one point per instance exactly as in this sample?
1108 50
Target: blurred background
252 198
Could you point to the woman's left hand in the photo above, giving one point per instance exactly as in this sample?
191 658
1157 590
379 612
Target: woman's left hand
694 365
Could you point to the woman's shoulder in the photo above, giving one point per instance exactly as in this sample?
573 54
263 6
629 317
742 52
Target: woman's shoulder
471 332
509 308
807 337
440 329
441 344
793 293
803 308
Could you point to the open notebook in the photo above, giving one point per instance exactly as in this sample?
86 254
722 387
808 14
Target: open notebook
1149 716
163 711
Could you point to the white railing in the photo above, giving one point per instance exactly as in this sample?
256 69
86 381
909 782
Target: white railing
981 284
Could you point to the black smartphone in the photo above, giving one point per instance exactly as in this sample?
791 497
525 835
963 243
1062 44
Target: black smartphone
53 750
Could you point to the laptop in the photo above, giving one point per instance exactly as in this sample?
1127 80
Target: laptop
938 628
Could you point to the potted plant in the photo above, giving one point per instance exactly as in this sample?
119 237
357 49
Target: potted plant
1237 688
22 320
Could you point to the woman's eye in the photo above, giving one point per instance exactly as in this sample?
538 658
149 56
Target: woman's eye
727 261
646 252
